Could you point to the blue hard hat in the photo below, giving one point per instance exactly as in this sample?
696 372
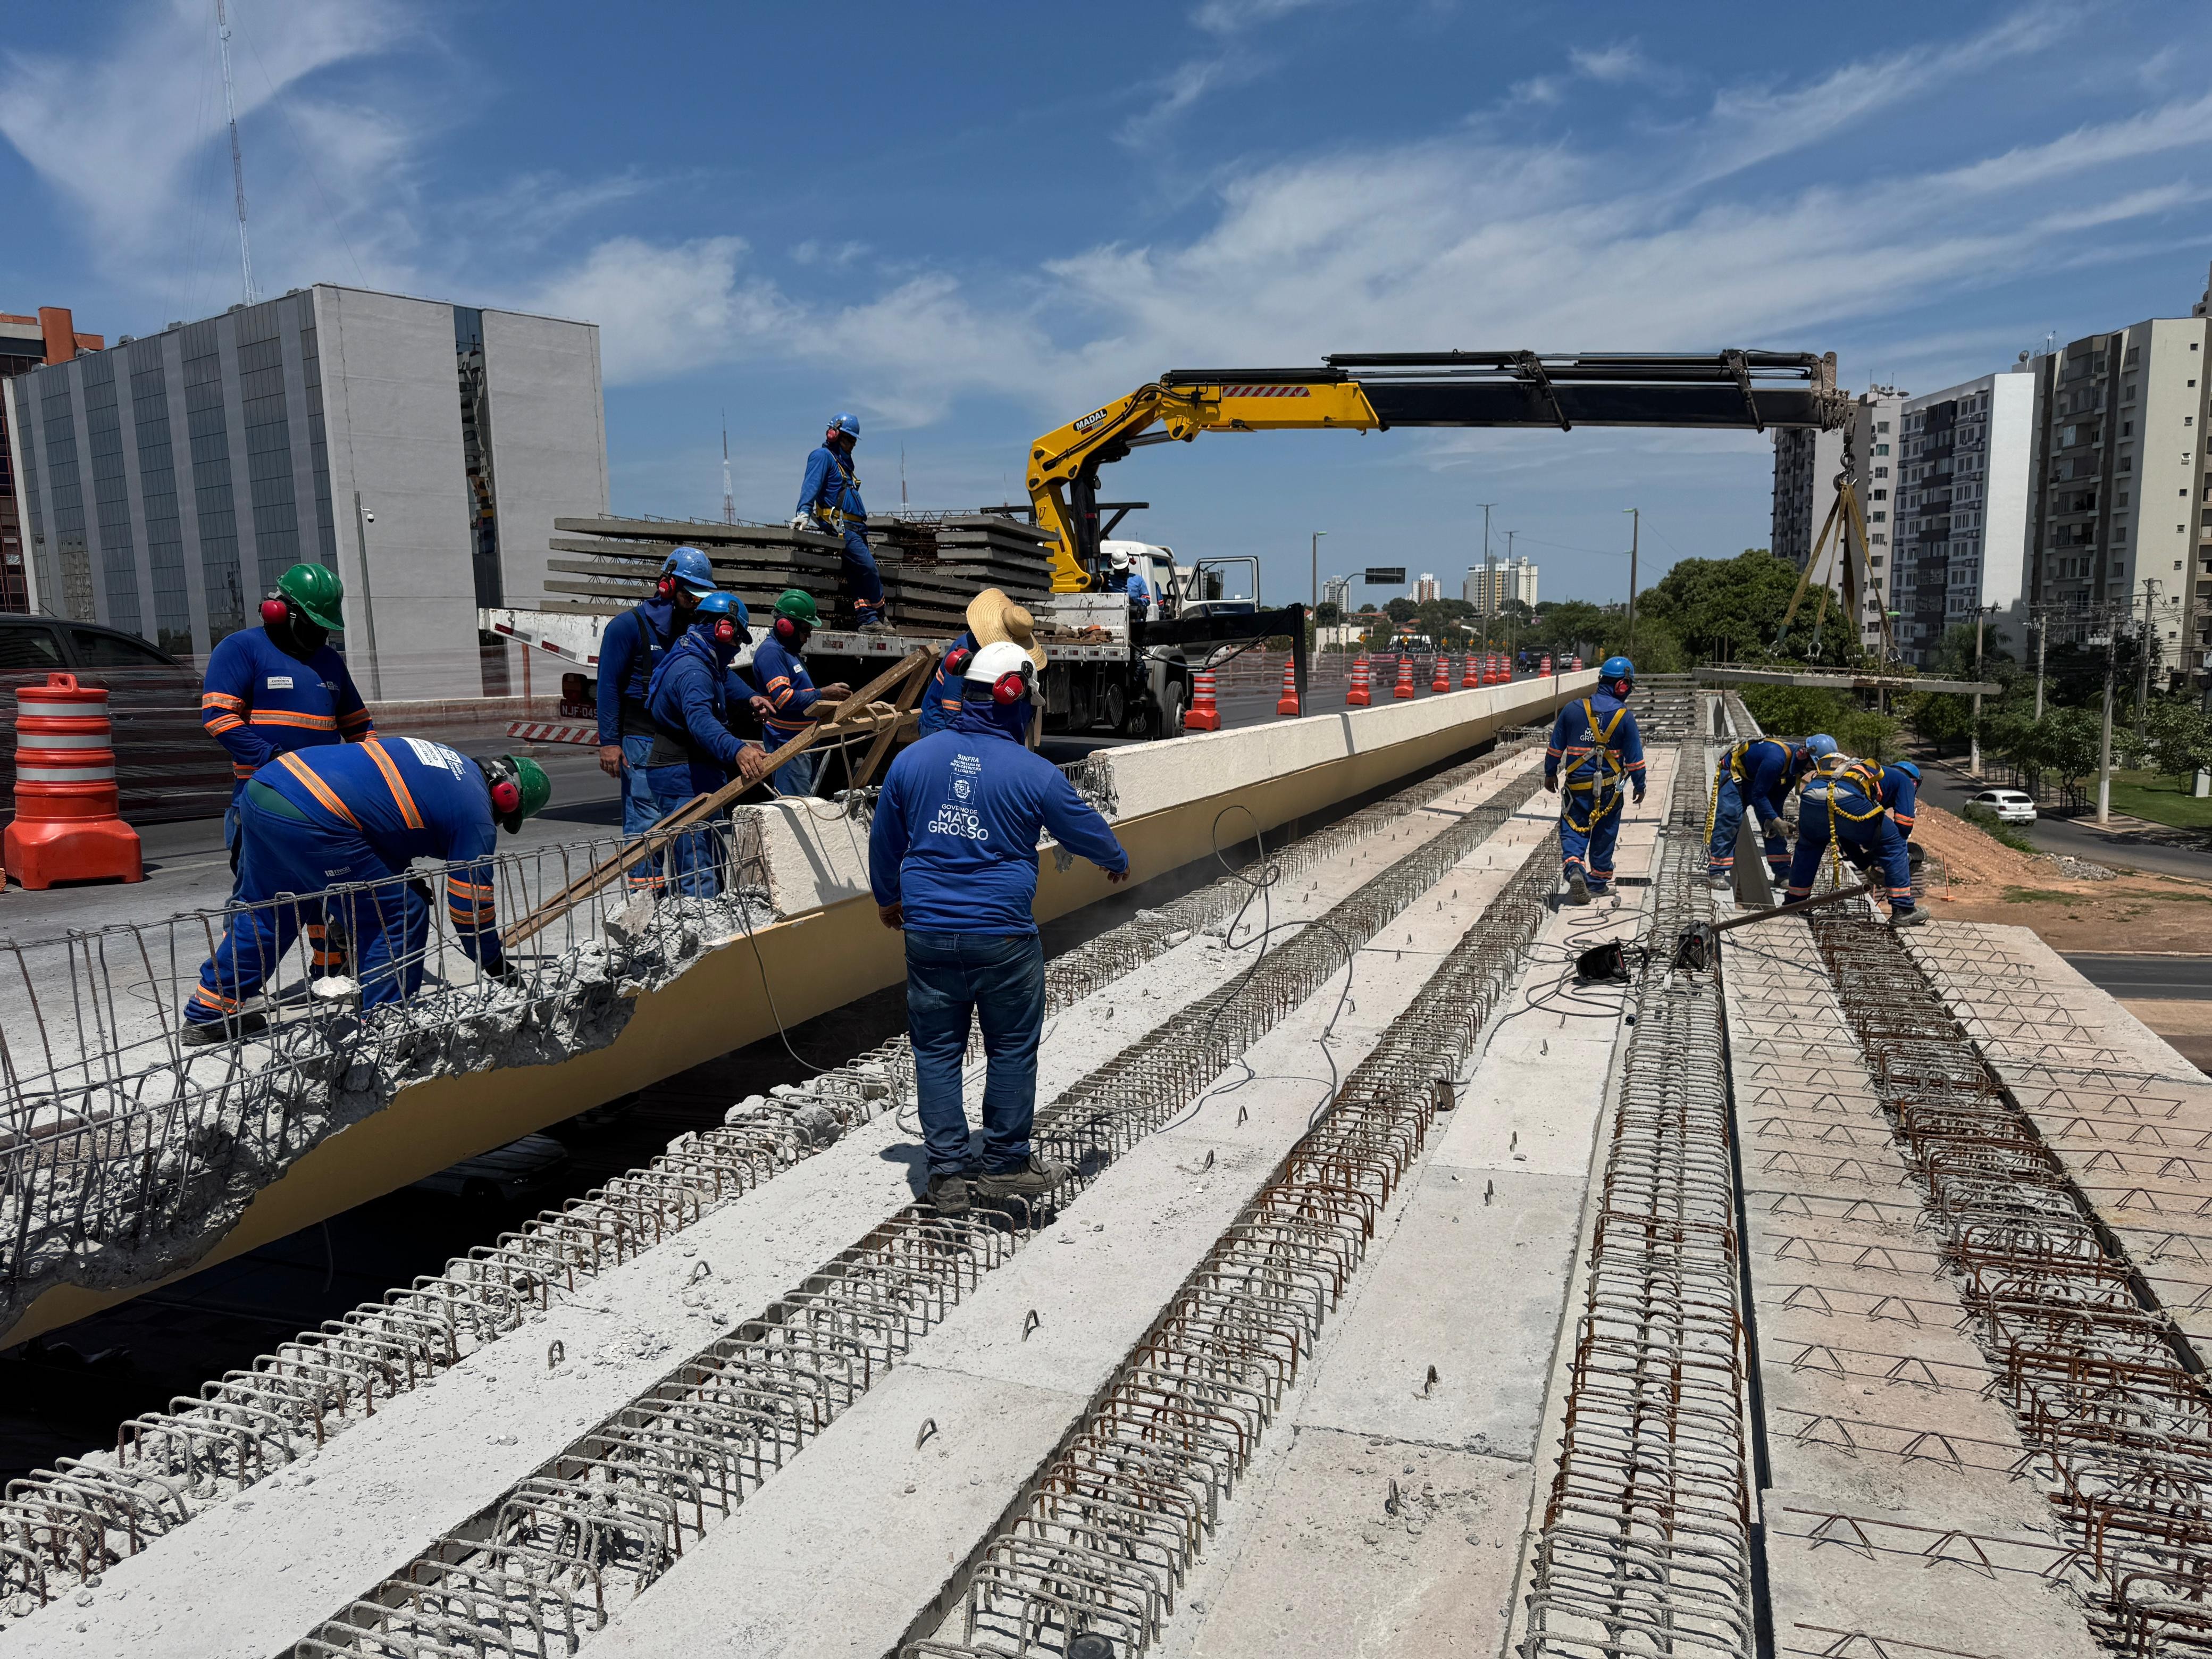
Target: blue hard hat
1907 768
689 566
847 424
1617 668
1820 746
713 607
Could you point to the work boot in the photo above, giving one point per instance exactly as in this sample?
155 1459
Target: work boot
223 1030
869 619
1720 881
1032 1179
1577 888
948 1193
1908 915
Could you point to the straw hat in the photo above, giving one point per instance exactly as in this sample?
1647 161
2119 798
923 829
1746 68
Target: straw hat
993 618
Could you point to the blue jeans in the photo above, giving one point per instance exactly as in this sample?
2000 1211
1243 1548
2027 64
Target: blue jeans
999 980
860 573
638 809
694 858
796 775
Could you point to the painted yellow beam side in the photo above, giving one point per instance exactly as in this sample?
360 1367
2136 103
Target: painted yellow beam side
821 960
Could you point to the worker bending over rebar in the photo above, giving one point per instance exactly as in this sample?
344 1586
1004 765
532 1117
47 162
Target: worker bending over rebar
952 858
1864 811
1595 749
1757 774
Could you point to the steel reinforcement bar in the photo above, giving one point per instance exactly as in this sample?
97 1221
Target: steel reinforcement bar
2106 1391
615 1510
1647 1541
68 1522
1120 1514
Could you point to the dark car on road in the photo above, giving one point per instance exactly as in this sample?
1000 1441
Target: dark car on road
166 766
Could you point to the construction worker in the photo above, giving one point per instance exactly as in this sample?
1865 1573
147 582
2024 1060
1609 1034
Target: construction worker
1757 774
1123 578
1595 745
952 858
694 750
991 617
829 504
280 688
332 830
1864 811
630 649
780 672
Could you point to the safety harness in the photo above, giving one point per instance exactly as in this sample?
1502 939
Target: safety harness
1604 786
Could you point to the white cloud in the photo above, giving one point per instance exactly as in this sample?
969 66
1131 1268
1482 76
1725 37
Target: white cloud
1235 16
1621 61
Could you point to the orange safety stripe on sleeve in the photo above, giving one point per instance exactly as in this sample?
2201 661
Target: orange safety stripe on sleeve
289 717
397 784
314 786
358 717
221 700
218 724
238 771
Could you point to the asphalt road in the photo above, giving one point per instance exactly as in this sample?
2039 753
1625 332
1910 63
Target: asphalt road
1951 792
2168 979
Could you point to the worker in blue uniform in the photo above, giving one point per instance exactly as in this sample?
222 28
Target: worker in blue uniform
1123 577
333 829
694 750
829 504
1595 750
940 703
1864 811
779 671
630 649
1757 775
952 858
992 617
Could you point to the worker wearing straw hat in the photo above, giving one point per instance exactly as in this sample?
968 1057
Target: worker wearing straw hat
993 619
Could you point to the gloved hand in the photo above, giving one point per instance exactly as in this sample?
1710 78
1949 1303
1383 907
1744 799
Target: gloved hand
1551 784
802 521
1639 798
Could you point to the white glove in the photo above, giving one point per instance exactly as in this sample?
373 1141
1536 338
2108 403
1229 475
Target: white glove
802 521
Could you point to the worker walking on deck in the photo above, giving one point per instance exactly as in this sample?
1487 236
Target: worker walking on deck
779 671
1595 749
694 752
630 649
952 858
829 504
1756 775
992 617
333 830
1865 810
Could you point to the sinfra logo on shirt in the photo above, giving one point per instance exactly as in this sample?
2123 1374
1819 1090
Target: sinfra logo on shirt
954 819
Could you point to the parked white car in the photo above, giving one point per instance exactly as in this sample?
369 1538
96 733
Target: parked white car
2011 806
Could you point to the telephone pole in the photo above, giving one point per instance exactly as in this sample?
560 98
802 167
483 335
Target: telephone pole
2105 740
1489 582
2143 648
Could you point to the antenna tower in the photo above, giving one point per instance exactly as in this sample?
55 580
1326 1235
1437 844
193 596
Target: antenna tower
729 501
237 159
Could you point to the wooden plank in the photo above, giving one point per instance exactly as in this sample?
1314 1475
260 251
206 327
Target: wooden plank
908 694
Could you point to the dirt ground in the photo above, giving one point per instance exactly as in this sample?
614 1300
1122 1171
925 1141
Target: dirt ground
1973 877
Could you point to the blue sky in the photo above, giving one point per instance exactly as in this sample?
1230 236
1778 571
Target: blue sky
971 223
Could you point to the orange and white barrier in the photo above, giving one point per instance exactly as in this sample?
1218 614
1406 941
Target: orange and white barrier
68 825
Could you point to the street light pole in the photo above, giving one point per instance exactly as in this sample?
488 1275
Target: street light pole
1974 731
1635 535
2105 741
1314 553
2143 650
2042 639
1487 580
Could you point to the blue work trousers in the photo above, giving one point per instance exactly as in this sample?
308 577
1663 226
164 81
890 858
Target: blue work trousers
1873 844
1590 825
796 775
861 577
692 862
1727 819
388 924
997 980
638 810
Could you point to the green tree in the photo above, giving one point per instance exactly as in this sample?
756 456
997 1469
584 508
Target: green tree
2179 736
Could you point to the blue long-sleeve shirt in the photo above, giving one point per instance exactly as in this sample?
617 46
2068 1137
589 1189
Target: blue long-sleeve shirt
940 704
258 701
1761 768
1602 755
630 649
831 486
1900 794
690 696
788 688
955 836
409 798
1140 596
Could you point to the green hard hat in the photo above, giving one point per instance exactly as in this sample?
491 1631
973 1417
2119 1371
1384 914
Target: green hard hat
317 591
532 787
798 604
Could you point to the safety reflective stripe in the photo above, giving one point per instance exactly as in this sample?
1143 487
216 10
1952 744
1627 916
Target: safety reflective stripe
290 717
218 724
213 999
358 721
64 774
401 799
314 786
95 740
238 771
221 700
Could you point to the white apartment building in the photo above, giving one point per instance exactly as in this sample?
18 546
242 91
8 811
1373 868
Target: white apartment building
1490 588
1959 535
2120 421
1427 587
1805 468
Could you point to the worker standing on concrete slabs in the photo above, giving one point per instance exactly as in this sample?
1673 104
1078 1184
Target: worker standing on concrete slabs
992 618
1596 746
1864 811
630 649
829 505
779 671
952 858
331 818
1757 775
694 752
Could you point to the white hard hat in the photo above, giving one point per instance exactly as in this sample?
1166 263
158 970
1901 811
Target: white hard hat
992 661
1119 559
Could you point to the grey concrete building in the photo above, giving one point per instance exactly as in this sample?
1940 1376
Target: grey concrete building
420 449
1961 542
2119 423
1805 467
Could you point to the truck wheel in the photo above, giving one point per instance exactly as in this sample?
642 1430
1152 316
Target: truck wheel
1114 706
1171 716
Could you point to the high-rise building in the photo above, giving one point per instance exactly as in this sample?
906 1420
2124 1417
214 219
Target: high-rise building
2120 419
1337 591
1426 587
1961 527
1490 587
27 343
420 449
1806 464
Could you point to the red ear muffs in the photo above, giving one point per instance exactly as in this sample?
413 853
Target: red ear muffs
275 612
726 631
956 663
1010 689
786 630
506 796
664 589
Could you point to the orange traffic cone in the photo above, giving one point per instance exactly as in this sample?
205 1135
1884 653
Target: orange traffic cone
1441 680
1405 686
68 826
1204 714
1545 667
1575 665
1288 702
1360 694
